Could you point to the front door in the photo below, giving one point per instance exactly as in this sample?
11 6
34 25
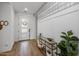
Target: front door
24 29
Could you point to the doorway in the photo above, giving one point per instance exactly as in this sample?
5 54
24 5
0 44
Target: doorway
24 28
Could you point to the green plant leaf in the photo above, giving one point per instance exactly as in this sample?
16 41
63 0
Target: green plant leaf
62 45
63 37
63 33
70 33
74 38
69 46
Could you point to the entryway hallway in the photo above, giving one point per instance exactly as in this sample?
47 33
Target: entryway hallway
53 25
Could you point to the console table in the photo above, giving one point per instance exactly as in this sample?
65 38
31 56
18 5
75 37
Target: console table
47 46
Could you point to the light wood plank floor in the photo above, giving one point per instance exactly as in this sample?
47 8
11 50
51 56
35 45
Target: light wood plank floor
24 48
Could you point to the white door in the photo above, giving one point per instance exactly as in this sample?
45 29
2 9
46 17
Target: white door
24 29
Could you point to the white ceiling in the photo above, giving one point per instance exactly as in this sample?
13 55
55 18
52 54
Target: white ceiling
31 6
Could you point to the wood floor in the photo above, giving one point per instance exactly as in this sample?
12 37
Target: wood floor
24 48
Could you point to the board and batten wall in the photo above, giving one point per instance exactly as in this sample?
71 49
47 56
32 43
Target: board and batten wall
7 33
57 17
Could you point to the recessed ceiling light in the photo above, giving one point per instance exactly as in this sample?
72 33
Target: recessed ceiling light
25 9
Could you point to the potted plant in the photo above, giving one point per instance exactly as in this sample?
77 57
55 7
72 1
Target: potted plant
69 45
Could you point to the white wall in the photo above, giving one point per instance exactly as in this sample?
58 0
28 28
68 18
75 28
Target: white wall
65 20
7 33
31 21
16 27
